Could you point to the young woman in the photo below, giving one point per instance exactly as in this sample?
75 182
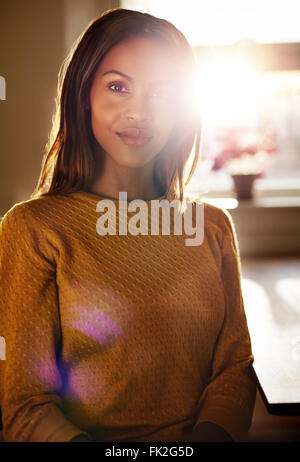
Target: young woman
122 336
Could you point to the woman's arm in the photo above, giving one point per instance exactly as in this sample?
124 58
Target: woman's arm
209 432
229 395
29 312
80 439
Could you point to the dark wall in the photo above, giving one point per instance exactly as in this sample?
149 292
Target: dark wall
35 36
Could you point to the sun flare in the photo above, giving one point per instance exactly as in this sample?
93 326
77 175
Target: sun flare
229 89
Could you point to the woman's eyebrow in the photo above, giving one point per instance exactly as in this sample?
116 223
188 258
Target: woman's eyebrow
131 79
113 71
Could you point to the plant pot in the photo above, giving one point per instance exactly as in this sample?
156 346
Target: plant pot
243 185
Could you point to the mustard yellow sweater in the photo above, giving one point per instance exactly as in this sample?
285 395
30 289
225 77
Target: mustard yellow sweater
124 338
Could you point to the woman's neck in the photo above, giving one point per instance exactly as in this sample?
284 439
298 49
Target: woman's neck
138 183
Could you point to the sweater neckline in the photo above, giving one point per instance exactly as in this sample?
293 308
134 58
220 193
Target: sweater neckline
98 197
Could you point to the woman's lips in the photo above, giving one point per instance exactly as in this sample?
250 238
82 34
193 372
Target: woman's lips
135 136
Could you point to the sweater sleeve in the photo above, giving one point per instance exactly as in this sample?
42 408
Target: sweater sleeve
229 395
32 409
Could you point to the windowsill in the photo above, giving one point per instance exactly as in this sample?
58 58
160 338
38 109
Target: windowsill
220 185
231 202
266 225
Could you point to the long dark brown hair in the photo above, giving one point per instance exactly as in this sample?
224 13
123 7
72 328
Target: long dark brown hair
69 161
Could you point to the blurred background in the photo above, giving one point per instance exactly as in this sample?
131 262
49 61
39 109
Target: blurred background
248 55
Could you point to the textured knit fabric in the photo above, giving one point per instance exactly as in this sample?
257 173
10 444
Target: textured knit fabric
121 337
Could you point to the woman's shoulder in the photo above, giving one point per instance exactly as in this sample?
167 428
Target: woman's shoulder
218 223
35 228
214 216
219 227
41 209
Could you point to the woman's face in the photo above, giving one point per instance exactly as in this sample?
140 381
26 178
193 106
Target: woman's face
132 101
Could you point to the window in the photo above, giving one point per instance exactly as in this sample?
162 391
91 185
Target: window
249 76
219 22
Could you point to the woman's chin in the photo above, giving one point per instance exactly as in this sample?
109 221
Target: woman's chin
136 161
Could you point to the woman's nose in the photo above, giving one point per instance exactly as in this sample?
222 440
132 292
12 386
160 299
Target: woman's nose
137 108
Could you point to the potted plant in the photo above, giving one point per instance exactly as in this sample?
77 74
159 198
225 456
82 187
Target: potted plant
244 153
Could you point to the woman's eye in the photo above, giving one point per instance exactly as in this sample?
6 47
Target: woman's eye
117 87
159 93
